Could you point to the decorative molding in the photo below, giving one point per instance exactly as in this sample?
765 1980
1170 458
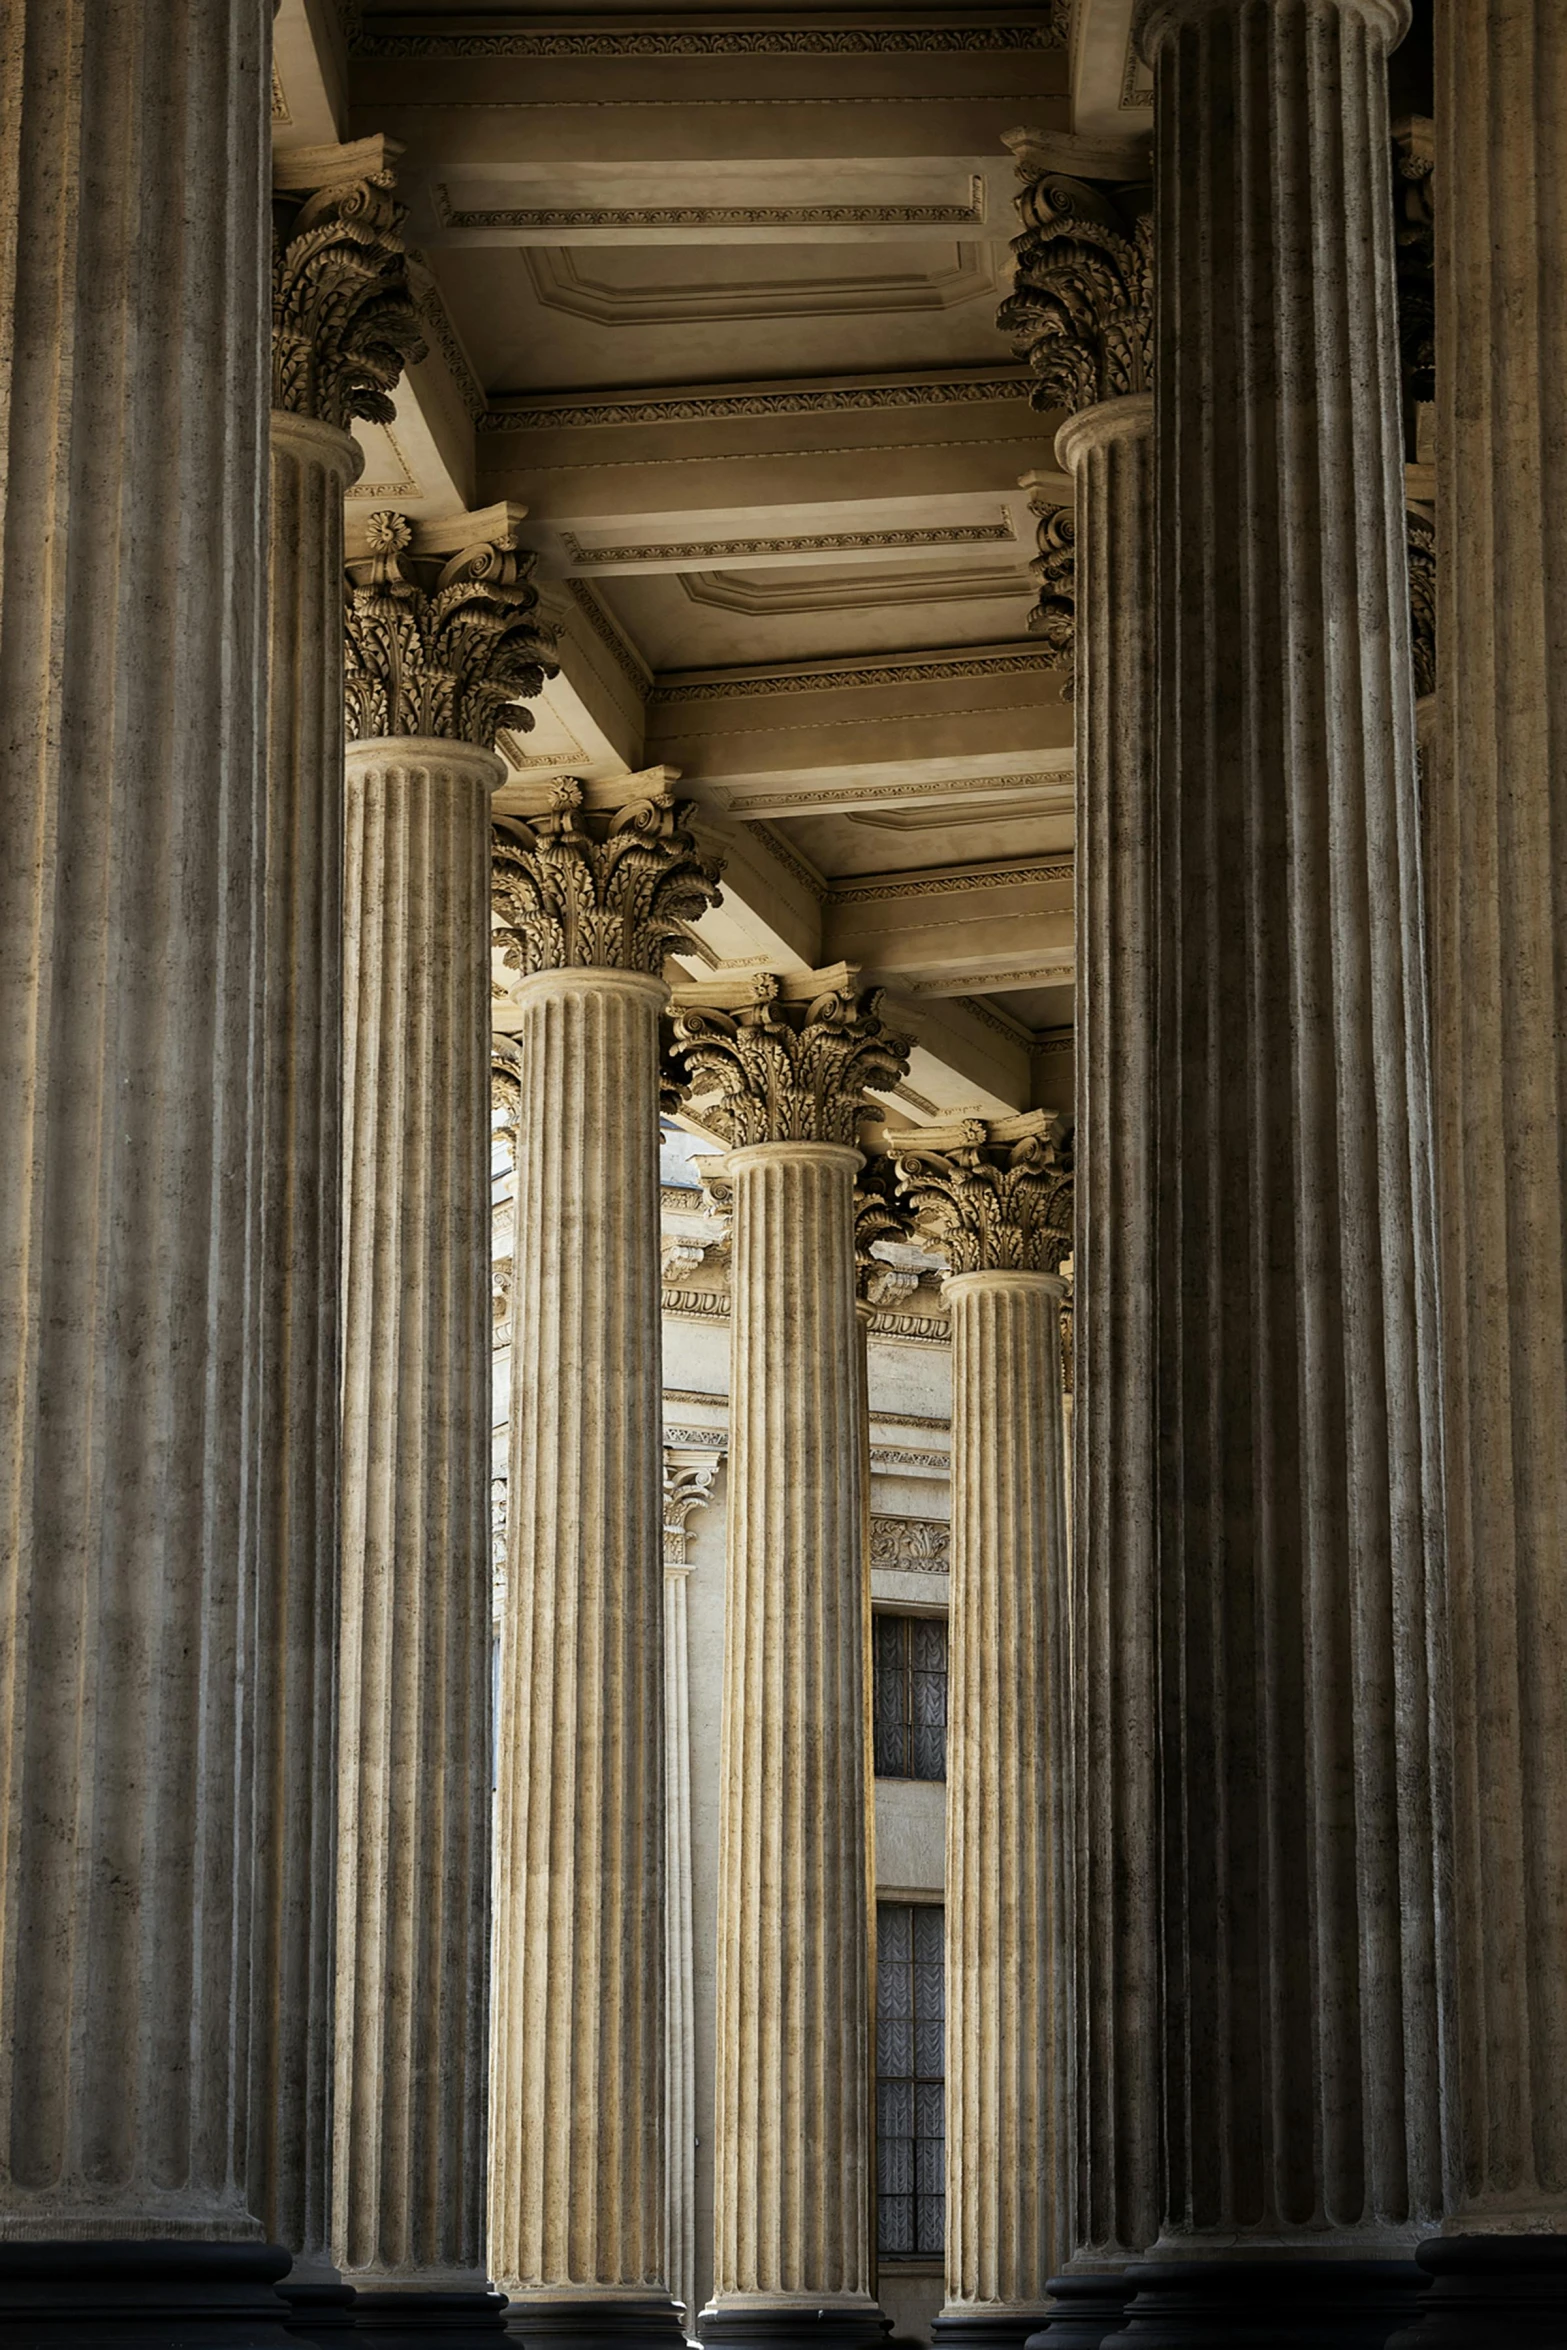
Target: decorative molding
672 695
709 216
997 1200
782 592
895 1456
524 412
1004 1025
560 282
449 646
697 1305
705 1439
1008 975
1081 308
921 1546
434 315
1050 31
343 324
280 112
621 651
835 542
609 889
846 799
783 854
408 487
788 1072
926 885
1054 1040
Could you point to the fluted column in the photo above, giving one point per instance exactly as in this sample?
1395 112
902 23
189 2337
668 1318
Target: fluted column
783 1084
997 1201
1496 772
441 643
1082 312
342 325
1296 1515
589 901
132 667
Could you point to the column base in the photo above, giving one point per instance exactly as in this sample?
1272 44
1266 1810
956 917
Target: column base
982 2329
610 2324
1490 2293
1084 2311
142 2295
405 2320
785 2326
319 2309
1268 2304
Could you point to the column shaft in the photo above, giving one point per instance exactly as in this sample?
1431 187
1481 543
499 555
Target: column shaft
414 1735
1006 1825
295 1640
792 2156
578 2198
1495 775
132 421
1114 2183
1295 1360
681 2123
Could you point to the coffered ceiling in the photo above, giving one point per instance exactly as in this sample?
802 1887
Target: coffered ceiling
712 293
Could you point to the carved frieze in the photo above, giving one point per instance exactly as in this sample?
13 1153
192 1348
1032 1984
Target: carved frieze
344 325
788 1072
992 1197
610 889
1081 309
451 646
921 1546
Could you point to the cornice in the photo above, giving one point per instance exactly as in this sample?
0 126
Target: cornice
952 880
866 39
709 216
672 693
962 791
578 411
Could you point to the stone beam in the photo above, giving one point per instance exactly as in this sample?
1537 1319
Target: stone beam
958 930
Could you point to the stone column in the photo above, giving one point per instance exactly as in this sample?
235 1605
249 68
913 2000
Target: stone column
590 899
688 1485
783 1084
1495 776
341 327
1082 311
997 1200
442 641
132 664
1294 1360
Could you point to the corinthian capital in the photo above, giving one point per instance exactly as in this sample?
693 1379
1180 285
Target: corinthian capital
443 630
343 323
1081 310
994 1198
787 1066
611 888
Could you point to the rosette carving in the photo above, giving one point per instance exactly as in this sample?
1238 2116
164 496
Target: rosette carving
1081 309
787 1072
343 321
578 889
448 646
993 1198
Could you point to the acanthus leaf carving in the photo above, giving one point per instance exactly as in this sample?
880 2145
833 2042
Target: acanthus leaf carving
993 1200
921 1546
576 889
344 325
444 646
1081 309
1054 572
688 1486
787 1072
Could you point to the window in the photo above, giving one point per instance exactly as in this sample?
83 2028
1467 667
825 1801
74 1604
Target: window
911 1697
911 2125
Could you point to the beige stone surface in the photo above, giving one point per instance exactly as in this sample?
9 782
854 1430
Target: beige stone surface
1495 780
1296 1498
133 411
414 1724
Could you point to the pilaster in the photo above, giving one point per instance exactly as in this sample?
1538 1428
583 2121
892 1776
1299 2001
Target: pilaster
443 645
591 892
782 1081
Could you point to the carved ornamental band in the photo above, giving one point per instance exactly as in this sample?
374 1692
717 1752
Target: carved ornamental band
575 889
1081 311
442 645
343 322
788 1072
993 1198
